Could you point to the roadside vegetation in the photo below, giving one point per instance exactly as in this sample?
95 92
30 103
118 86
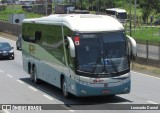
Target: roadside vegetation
150 70
145 8
144 33
17 9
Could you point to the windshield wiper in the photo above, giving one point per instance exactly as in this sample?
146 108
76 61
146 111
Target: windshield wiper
97 61
112 63
100 58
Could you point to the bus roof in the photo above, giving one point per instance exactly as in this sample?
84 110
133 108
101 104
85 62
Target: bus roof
117 10
80 22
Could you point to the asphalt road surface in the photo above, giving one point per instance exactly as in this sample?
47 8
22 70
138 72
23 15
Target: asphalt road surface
16 88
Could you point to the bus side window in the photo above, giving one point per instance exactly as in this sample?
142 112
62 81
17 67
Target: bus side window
38 37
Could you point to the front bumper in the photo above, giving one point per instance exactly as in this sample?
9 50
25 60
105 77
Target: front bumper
6 55
102 90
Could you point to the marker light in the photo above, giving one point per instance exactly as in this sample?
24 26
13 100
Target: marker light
77 40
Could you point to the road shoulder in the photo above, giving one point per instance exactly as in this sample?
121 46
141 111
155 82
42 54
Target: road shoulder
145 69
8 36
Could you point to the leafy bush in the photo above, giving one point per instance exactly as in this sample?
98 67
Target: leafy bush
2 7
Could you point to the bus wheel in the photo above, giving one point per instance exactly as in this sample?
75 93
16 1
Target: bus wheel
35 79
64 88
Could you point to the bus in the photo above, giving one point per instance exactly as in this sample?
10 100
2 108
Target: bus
117 13
83 55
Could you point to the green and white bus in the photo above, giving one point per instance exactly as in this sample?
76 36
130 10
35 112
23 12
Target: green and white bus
84 55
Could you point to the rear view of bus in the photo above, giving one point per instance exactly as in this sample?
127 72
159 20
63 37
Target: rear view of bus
84 55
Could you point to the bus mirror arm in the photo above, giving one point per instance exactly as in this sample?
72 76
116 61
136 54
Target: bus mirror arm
132 56
71 46
133 48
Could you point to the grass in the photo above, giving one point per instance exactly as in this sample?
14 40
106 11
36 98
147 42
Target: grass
17 9
150 70
142 32
147 33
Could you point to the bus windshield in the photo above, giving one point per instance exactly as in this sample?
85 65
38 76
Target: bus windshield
102 54
121 16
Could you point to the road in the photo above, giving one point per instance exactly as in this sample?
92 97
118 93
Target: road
16 88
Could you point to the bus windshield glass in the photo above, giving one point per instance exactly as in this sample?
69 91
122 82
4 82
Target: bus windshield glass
121 16
102 54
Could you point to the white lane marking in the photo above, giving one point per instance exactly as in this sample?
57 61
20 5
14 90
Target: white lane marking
72 111
20 81
48 97
1 71
152 102
9 75
6 111
146 75
32 88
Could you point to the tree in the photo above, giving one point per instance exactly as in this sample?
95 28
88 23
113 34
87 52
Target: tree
148 6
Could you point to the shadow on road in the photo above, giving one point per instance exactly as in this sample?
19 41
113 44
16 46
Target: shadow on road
97 102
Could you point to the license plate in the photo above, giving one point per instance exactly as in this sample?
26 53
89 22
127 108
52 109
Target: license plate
106 92
5 54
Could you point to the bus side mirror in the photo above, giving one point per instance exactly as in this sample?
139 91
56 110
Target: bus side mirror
71 46
132 47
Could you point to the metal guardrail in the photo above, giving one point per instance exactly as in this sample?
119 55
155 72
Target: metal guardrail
149 51
6 27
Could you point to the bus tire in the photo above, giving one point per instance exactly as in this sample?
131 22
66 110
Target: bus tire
64 88
17 48
111 96
35 79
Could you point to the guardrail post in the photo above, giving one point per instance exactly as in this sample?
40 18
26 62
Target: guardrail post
159 45
159 50
147 49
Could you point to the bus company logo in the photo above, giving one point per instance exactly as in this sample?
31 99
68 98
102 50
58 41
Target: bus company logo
107 61
31 49
6 107
105 85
